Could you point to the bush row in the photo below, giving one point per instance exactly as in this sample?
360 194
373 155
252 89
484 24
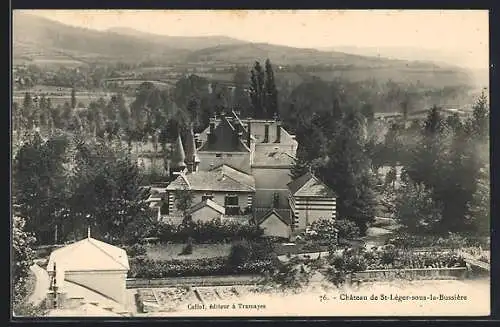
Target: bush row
141 267
205 232
452 241
394 259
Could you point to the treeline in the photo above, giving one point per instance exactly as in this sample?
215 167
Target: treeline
446 174
63 185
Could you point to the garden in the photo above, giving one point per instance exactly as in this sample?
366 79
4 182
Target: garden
240 257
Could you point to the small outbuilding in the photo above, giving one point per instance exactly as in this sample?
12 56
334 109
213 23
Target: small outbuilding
206 211
93 264
275 223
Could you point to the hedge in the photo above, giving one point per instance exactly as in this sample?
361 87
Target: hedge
452 241
142 267
206 232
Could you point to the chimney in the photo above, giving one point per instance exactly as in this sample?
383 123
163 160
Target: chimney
211 135
266 133
197 140
249 135
237 131
278 132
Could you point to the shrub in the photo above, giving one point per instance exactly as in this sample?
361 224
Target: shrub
240 253
188 249
244 251
136 250
347 229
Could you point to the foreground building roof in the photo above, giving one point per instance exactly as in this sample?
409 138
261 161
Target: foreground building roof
88 254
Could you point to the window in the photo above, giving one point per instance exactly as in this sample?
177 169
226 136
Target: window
207 196
218 155
276 200
164 208
231 205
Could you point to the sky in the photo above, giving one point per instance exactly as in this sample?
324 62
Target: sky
460 33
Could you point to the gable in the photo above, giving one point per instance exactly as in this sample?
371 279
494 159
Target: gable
207 205
89 254
297 183
314 188
273 220
205 212
262 214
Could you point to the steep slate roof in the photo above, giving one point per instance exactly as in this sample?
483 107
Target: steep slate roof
310 185
241 163
178 156
221 178
257 131
225 134
191 152
261 214
207 203
89 254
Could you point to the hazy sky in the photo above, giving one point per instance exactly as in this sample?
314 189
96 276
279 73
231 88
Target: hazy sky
462 33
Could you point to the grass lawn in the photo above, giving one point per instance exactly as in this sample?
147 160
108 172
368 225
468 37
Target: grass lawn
172 251
281 249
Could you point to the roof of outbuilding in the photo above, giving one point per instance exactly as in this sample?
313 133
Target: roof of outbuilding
315 187
89 254
261 214
207 203
221 178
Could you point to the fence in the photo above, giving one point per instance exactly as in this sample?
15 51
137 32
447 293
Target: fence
193 281
413 274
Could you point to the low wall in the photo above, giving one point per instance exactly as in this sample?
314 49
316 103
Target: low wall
418 274
193 281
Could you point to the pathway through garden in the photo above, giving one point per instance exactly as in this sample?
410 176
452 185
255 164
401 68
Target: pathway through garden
41 286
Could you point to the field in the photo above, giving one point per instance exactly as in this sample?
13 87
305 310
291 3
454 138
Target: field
83 98
172 251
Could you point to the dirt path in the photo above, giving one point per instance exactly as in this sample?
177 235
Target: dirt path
41 286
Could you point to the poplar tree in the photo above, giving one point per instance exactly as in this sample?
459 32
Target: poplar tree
270 92
257 81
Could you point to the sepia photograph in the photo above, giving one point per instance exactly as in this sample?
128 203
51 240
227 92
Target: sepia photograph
250 163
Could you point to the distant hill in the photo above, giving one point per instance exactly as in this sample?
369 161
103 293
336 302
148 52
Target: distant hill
40 40
43 39
180 42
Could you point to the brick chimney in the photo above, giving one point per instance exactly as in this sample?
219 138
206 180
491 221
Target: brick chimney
211 135
237 133
197 140
266 133
278 132
249 135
